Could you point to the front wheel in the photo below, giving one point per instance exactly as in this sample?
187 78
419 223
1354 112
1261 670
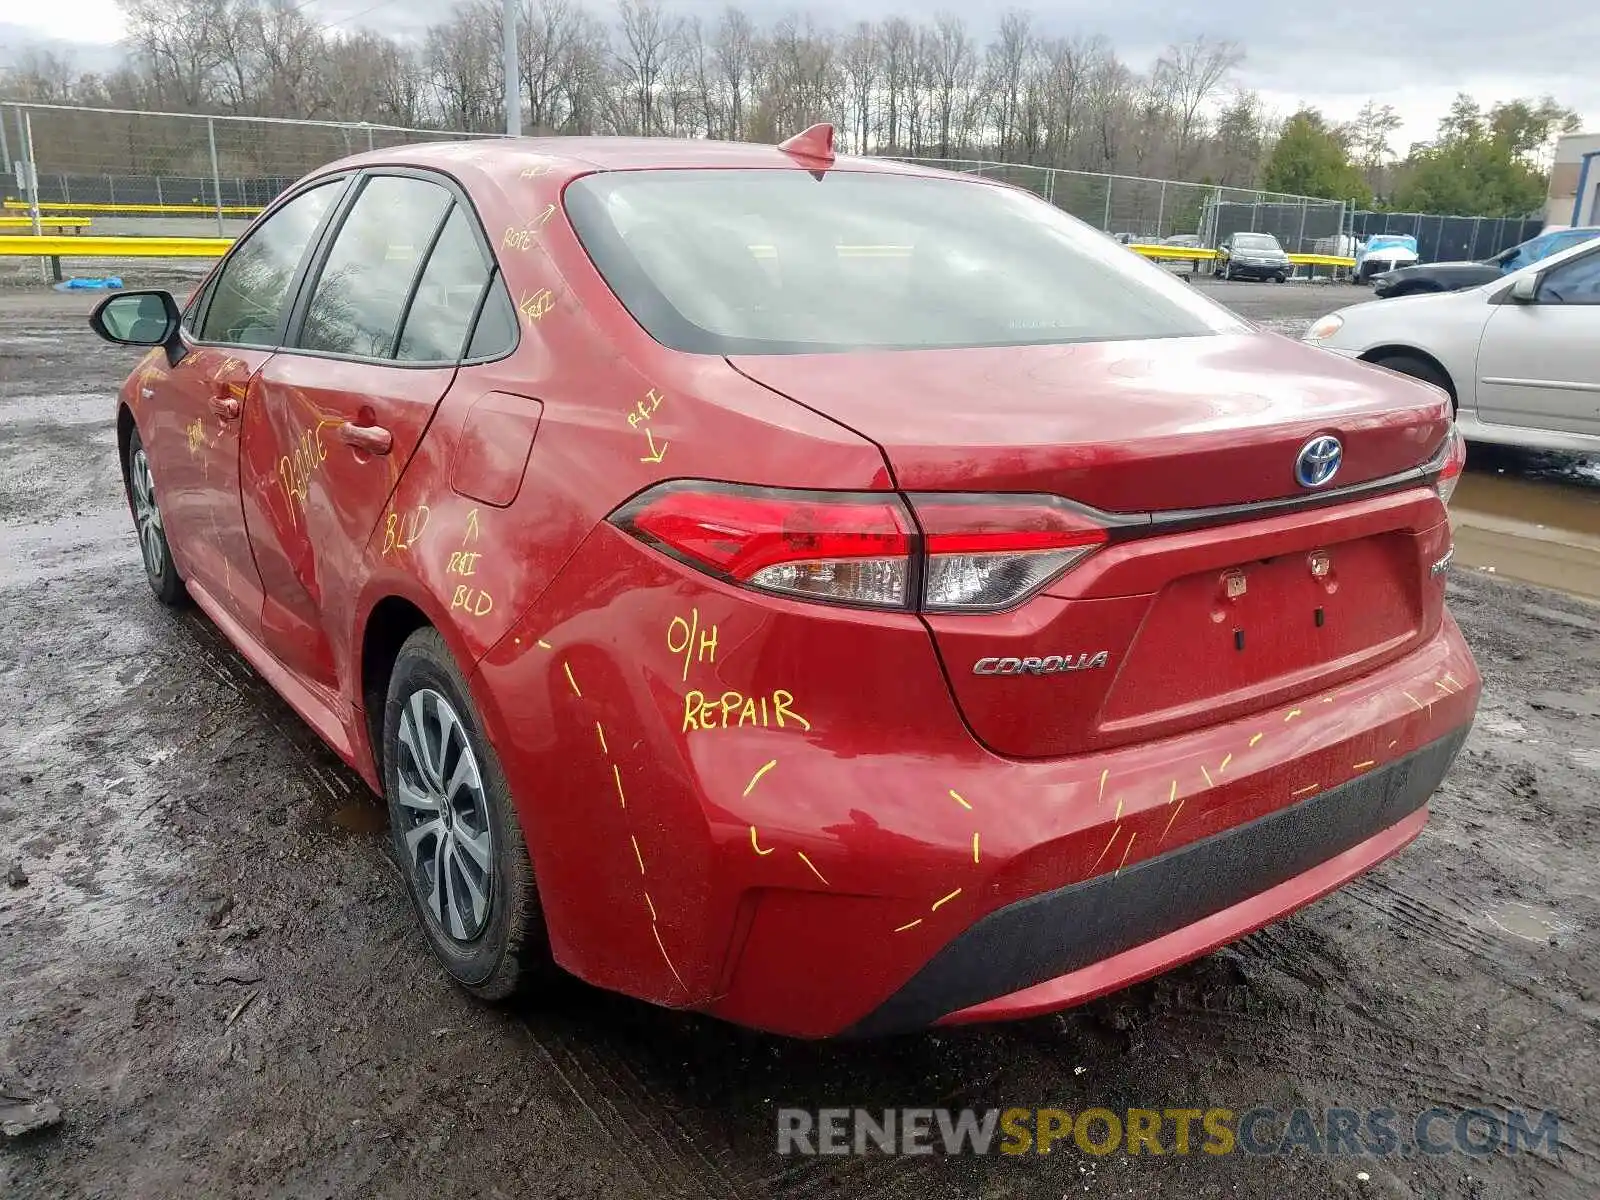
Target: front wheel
454 831
159 570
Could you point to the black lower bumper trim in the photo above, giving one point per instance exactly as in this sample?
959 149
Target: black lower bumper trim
1057 932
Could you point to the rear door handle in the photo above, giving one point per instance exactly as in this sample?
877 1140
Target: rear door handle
374 439
226 407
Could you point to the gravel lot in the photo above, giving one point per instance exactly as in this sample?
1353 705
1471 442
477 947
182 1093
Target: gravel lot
211 968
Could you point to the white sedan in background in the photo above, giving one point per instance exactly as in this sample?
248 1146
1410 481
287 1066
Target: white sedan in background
1520 356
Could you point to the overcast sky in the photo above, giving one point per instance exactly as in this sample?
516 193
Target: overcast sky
1332 55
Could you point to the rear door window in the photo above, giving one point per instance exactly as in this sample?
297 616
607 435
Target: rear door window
367 277
447 295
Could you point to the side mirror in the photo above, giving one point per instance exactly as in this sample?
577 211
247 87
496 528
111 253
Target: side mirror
1526 289
140 319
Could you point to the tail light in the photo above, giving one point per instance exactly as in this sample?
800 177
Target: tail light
960 553
985 553
1455 461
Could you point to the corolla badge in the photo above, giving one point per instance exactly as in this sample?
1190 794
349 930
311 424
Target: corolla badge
1050 664
1318 461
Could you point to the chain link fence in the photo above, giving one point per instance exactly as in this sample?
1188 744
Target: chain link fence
1449 239
1148 211
178 174
224 167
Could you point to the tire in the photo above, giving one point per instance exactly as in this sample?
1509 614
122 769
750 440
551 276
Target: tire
1278 278
159 570
1227 272
498 949
1417 368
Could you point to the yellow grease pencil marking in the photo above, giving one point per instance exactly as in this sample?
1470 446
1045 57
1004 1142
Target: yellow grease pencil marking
756 778
576 690
1118 817
651 905
1125 852
1310 787
636 853
1362 766
1114 834
944 900
1224 765
756 846
1291 714
542 644
1413 700
1254 738
1207 774
1170 821
959 799
1102 794
602 733
617 775
975 848
1173 794
908 925
813 867
668 957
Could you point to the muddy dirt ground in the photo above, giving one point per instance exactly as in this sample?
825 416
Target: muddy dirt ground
212 971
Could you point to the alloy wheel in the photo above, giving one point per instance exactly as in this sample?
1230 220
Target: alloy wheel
449 846
147 514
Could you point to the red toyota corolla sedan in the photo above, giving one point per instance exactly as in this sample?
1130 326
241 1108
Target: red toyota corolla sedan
829 594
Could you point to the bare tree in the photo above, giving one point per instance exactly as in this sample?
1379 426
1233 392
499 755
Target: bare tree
1193 73
952 69
739 56
643 58
862 74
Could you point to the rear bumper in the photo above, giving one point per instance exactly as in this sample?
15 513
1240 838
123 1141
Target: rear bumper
725 816
1065 946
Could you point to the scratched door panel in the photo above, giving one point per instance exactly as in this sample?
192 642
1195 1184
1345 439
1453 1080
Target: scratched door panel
313 499
189 418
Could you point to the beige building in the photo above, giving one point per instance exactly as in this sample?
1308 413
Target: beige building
1575 182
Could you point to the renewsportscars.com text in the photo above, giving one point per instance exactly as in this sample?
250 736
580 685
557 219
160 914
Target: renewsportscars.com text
1331 1132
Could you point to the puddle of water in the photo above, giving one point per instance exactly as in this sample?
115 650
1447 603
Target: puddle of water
1539 498
362 817
1530 923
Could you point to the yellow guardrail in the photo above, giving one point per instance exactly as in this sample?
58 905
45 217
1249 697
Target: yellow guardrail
1200 254
73 206
9 222
85 245
1322 260
1195 253
98 246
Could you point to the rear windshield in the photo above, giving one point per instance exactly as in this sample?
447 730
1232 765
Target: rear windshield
781 262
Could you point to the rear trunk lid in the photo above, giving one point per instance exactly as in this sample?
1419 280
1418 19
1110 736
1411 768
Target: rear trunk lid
1189 616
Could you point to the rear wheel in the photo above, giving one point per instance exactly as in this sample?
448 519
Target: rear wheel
159 570
454 832
1417 368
